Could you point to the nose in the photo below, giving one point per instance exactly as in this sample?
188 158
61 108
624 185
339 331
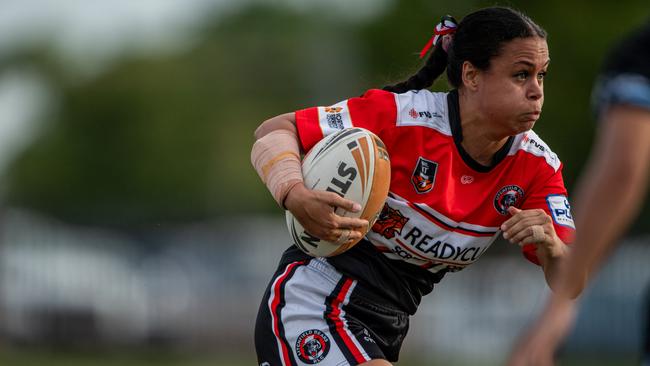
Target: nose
535 89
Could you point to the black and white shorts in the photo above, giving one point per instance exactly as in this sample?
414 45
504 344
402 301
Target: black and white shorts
312 314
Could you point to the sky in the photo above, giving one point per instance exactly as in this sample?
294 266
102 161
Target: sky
90 35
86 35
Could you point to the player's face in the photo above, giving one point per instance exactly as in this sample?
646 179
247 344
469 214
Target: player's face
511 91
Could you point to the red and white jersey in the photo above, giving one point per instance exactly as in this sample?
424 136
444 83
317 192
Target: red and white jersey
444 209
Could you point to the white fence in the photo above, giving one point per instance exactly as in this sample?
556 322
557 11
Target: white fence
200 285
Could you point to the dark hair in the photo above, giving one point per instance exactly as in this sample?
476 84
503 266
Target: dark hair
479 37
630 54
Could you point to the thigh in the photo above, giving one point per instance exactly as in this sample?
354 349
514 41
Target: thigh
376 363
302 319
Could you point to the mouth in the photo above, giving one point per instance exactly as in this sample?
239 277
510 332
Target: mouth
531 116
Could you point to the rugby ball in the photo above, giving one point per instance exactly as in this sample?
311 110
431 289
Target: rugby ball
354 164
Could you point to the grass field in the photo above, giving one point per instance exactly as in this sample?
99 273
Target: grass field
152 358
39 358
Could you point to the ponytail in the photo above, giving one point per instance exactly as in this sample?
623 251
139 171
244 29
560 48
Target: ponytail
424 78
437 61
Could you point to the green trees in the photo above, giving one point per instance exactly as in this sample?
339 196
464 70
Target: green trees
168 138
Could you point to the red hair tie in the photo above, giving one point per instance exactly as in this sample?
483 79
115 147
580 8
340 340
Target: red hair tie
443 32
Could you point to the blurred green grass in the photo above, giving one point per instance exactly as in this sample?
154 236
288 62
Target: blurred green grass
39 357
114 358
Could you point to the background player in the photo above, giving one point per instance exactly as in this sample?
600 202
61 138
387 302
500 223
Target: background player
611 190
486 173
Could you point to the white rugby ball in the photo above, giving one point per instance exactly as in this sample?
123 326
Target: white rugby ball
354 164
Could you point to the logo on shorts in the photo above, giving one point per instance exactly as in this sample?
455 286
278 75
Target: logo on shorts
390 222
424 175
367 337
312 346
507 196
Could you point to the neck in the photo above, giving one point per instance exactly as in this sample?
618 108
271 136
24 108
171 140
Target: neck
479 138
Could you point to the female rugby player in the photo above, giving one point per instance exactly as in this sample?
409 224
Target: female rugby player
465 167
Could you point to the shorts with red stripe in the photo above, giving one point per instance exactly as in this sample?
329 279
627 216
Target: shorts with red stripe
312 314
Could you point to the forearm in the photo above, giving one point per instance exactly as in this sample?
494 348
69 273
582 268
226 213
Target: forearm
609 199
552 259
610 192
276 156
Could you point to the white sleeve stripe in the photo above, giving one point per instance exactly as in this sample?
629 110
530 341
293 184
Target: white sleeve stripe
334 118
531 143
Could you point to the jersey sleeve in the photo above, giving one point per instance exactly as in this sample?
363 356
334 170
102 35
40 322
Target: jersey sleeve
625 76
374 111
552 197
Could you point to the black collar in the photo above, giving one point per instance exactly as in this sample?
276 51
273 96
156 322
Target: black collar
457 133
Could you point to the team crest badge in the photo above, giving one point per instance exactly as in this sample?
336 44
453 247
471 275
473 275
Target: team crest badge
390 222
312 346
424 175
508 196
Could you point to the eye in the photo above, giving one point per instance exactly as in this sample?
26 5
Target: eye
541 75
522 75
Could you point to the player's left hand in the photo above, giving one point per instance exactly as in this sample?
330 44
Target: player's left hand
531 227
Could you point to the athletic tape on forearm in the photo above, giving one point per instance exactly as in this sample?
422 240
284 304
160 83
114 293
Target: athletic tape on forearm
276 158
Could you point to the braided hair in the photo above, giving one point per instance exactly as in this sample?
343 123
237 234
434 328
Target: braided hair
479 37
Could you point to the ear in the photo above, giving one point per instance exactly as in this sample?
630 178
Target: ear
470 76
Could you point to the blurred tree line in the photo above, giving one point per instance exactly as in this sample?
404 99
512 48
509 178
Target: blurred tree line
168 138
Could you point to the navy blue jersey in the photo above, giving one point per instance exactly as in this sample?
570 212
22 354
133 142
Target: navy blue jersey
625 77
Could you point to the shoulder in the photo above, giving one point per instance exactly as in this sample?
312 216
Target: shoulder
423 108
424 98
530 145
625 76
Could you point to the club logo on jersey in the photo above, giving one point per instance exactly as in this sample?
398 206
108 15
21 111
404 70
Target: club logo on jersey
466 179
334 117
424 175
390 222
560 210
508 196
312 346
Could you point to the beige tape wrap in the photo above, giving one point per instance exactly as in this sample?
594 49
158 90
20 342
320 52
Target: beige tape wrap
276 158
538 233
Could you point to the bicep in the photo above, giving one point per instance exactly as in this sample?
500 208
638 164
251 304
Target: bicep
285 121
611 188
623 146
551 197
616 175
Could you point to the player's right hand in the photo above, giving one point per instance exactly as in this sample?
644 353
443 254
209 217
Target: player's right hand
537 347
315 210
